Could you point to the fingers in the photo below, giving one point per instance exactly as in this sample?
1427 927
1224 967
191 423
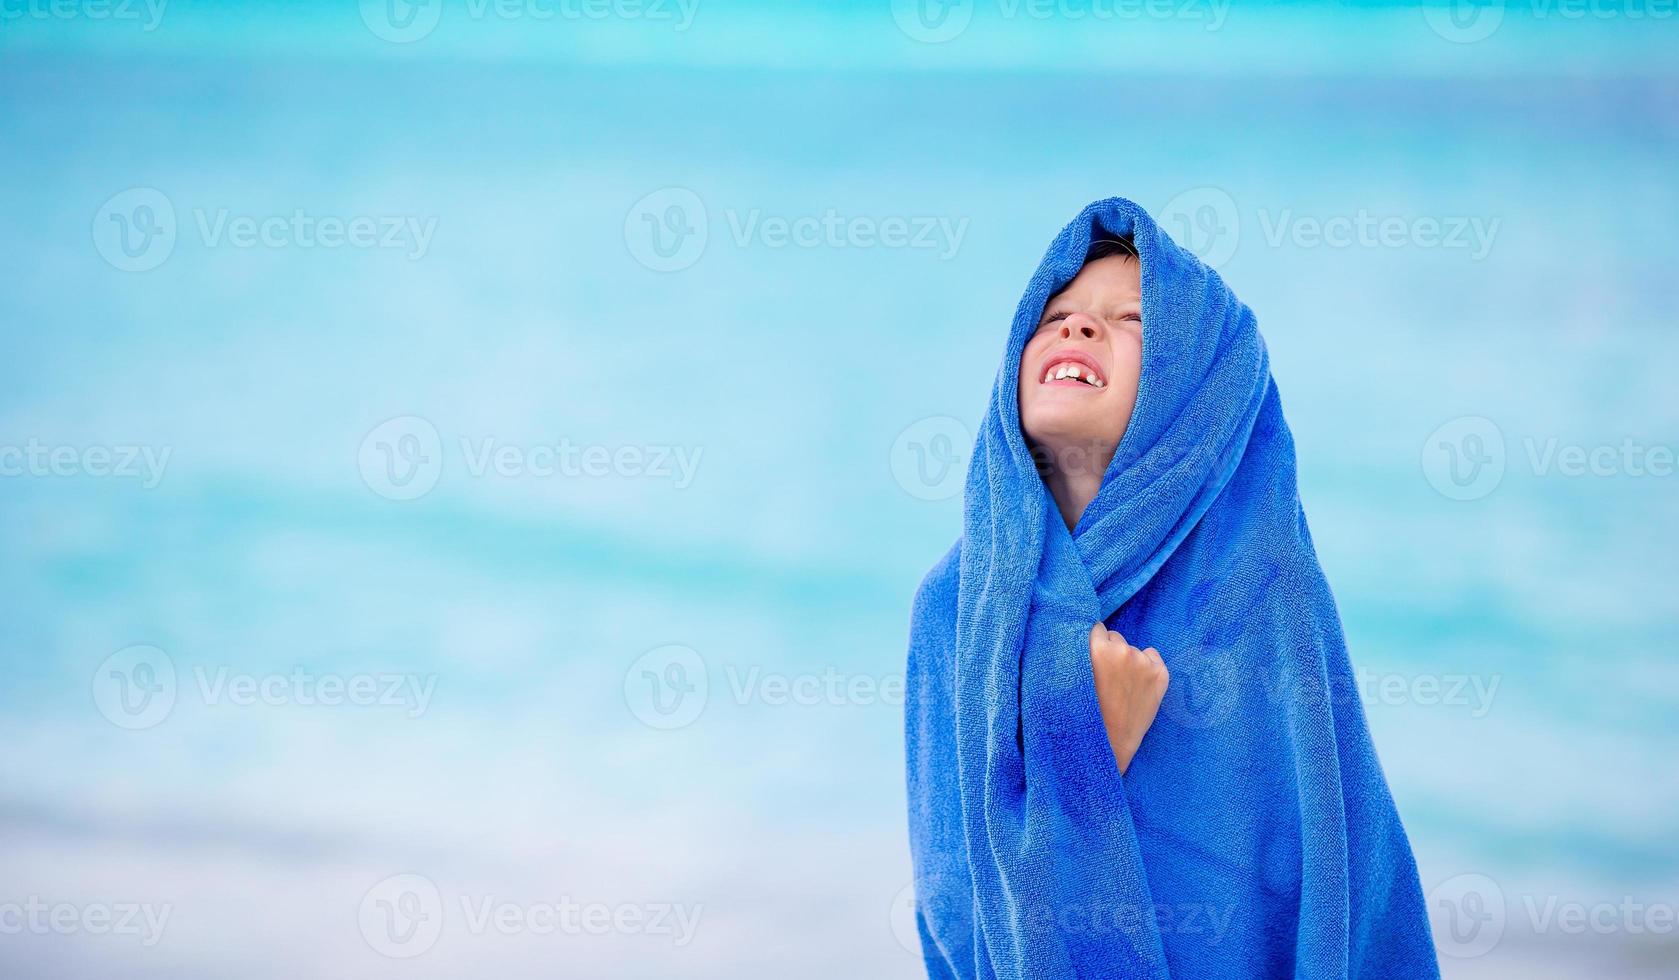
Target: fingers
1100 635
1154 658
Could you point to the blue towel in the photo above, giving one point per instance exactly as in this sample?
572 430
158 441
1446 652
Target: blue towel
1253 834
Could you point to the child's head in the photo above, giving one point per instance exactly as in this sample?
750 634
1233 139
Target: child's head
1079 372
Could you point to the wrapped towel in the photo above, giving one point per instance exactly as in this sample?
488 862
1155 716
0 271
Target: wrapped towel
1253 834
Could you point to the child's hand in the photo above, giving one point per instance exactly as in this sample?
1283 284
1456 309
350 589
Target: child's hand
1129 685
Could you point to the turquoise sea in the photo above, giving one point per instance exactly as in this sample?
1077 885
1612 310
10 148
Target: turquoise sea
464 467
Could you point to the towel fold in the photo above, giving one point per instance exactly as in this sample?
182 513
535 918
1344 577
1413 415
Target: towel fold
1253 834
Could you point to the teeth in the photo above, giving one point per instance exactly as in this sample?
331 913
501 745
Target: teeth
1070 370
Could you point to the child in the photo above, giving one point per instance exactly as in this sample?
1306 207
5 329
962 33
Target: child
1125 758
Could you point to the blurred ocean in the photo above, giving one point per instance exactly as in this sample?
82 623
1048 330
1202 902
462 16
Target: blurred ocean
595 464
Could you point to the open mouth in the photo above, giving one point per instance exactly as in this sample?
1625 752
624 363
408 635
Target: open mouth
1066 368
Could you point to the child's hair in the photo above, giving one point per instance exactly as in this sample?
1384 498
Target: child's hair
1104 247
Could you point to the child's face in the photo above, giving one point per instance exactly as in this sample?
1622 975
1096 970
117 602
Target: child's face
1093 326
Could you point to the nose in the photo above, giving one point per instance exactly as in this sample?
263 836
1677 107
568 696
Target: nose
1082 325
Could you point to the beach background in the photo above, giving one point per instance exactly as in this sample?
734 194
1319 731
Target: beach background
464 466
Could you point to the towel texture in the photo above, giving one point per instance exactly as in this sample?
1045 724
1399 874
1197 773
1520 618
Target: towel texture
1253 834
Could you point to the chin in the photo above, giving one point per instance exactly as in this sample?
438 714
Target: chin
1057 426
